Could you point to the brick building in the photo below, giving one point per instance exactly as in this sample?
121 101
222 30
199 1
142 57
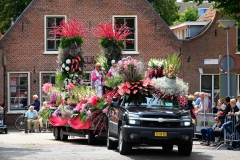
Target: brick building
209 44
31 54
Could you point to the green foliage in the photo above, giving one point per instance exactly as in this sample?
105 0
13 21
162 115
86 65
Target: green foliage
60 78
230 8
172 65
11 9
167 9
46 113
113 82
103 61
112 49
68 42
190 14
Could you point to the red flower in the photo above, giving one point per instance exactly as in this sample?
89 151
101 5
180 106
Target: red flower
71 28
124 88
110 32
93 100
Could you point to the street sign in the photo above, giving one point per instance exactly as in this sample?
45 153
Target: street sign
223 63
223 85
210 61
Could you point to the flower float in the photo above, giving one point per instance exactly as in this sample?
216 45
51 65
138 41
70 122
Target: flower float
70 57
112 40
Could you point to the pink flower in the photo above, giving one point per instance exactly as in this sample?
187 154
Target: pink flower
124 88
135 91
105 110
47 87
93 100
70 86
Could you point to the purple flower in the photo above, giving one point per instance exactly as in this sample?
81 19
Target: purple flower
124 59
56 113
129 58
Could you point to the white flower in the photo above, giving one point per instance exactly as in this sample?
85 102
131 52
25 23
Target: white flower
74 81
71 75
76 75
67 68
68 61
69 80
63 65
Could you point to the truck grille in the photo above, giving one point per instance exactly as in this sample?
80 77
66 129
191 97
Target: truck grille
161 116
160 124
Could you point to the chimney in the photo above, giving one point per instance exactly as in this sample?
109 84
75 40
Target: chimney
12 20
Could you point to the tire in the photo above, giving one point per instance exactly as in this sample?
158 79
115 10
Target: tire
124 147
91 138
111 145
20 123
56 133
185 149
5 130
63 137
167 147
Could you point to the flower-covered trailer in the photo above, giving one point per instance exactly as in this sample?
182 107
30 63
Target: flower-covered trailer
77 110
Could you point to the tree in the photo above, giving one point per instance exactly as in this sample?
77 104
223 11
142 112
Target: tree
167 9
10 9
190 14
230 8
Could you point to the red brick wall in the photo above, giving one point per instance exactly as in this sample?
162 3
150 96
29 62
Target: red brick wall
24 43
207 46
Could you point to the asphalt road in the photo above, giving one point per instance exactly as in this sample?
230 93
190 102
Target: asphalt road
42 146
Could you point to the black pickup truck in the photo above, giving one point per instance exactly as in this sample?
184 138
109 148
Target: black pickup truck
151 124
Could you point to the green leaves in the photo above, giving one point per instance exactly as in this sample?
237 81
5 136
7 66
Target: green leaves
190 14
167 9
68 42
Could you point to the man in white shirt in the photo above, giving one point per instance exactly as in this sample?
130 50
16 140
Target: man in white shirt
32 119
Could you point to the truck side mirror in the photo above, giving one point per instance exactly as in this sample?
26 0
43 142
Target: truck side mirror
115 102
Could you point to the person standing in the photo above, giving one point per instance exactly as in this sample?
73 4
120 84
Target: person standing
112 71
36 103
97 79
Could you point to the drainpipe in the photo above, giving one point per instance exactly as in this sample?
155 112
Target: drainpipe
4 85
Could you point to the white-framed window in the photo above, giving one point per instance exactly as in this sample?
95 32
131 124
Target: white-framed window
51 42
131 46
18 91
209 83
201 11
238 40
46 77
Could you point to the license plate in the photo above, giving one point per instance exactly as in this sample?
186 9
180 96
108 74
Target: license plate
160 134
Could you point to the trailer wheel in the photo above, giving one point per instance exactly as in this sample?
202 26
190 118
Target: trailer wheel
63 137
5 130
56 133
91 138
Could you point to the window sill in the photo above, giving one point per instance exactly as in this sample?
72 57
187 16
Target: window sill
50 52
130 52
237 53
16 112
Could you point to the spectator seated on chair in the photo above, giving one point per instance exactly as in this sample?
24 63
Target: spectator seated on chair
32 119
209 134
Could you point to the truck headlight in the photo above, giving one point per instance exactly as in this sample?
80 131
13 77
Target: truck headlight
134 121
185 121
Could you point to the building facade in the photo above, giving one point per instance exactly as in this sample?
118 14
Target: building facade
31 53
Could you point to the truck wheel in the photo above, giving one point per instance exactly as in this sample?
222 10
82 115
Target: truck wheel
124 147
167 147
111 145
56 133
63 137
185 149
91 138
5 130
